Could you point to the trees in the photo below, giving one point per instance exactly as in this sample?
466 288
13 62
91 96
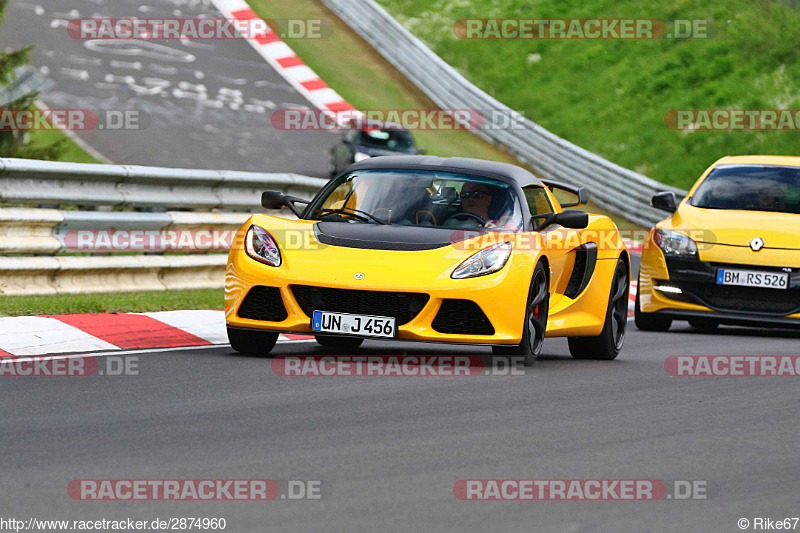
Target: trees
17 143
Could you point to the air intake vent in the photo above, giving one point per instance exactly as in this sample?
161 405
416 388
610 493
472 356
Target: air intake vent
462 317
263 303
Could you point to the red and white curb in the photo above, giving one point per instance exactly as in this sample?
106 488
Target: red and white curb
278 54
634 247
59 334
42 335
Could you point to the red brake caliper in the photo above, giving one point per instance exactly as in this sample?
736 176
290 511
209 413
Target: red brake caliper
536 312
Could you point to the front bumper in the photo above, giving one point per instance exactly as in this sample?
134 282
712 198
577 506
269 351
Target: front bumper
683 289
484 310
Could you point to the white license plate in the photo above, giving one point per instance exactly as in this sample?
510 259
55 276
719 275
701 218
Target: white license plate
749 278
362 325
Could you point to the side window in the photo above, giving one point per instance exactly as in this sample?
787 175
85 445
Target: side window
537 199
538 203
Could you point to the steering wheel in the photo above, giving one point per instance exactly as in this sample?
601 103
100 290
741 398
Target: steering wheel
473 216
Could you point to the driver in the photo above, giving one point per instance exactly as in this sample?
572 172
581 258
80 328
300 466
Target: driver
476 199
771 199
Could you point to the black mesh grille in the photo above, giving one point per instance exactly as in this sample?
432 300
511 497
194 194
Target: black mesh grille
403 306
576 279
753 299
462 317
263 303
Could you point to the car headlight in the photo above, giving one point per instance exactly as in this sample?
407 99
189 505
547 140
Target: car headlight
260 245
675 244
360 156
486 261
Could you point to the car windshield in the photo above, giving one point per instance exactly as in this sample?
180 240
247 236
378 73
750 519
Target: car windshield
419 198
750 188
390 139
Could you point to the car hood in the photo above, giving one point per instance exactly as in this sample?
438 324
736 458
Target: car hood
388 255
387 237
738 228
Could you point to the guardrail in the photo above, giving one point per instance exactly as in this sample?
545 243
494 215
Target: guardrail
29 181
46 231
615 188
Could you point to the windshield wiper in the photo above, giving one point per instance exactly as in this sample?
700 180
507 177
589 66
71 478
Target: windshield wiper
711 206
351 211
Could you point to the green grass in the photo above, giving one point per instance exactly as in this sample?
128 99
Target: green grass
126 302
611 96
70 152
362 77
367 81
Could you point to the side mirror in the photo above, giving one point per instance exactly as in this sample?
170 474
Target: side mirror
572 219
272 199
276 200
665 201
583 198
566 219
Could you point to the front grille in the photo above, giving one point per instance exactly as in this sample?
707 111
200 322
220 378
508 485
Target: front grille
263 303
462 317
403 306
752 299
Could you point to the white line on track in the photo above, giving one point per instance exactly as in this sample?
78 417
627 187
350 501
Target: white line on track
143 351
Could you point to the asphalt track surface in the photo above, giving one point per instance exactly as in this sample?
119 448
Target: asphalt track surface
389 449
203 104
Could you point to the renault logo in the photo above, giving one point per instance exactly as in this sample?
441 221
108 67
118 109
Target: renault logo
358 275
757 244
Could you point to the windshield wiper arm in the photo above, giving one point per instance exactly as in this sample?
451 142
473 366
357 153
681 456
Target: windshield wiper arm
352 211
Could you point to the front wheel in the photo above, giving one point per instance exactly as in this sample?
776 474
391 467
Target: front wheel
649 321
252 342
607 345
535 326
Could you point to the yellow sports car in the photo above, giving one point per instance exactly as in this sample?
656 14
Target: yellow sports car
730 253
424 248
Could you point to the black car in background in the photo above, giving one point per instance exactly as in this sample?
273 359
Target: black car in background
359 144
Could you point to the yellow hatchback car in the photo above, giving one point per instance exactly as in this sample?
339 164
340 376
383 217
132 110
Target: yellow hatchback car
730 252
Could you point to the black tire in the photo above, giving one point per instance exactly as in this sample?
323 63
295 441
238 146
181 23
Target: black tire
535 325
649 321
704 324
251 341
608 344
338 343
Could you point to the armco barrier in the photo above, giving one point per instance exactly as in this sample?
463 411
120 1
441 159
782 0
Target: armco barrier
44 230
613 187
79 275
25 181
